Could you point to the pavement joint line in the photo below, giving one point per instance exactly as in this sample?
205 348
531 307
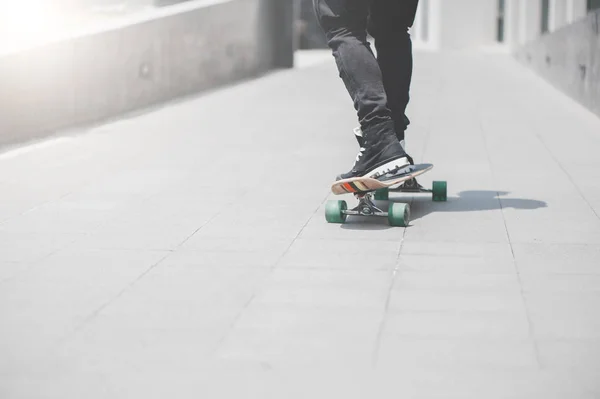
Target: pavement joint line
80 326
395 272
280 258
232 325
561 166
35 263
213 217
271 270
530 328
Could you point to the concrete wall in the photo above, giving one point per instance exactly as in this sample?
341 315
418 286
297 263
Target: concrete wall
524 22
171 52
569 58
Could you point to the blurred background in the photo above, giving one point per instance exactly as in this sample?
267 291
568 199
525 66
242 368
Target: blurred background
136 263
439 24
26 22
473 23
129 54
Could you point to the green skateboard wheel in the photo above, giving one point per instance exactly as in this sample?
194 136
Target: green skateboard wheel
382 194
334 211
399 214
440 191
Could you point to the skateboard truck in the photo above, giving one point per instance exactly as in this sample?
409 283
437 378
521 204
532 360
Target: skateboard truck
365 206
398 214
412 186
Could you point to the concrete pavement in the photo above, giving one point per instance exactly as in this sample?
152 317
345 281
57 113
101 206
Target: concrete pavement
184 252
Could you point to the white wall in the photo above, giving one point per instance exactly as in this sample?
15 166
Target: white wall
558 14
455 24
563 12
511 23
524 21
468 23
579 9
461 24
435 22
425 33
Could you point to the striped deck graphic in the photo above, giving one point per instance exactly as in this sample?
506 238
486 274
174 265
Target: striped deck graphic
355 187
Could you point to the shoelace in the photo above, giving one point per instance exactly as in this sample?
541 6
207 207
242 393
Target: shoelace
360 154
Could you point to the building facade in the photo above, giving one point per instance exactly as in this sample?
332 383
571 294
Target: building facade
500 24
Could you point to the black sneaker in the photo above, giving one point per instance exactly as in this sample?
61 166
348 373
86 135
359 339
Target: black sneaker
381 154
358 134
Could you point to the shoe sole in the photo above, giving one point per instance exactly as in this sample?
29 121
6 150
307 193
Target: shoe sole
392 167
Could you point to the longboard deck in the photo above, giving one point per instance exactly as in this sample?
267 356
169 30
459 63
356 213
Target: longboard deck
366 184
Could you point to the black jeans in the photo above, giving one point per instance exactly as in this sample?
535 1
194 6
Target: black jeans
378 86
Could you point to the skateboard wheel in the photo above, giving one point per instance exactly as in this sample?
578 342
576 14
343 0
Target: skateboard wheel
334 211
382 194
399 214
440 191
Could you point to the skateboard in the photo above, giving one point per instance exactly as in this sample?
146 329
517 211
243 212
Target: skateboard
367 189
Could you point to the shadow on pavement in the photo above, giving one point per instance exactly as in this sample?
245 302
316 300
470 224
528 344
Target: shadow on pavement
422 205
468 201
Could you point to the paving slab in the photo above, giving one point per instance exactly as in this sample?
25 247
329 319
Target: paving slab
184 251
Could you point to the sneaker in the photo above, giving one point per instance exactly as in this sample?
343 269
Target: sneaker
380 155
358 134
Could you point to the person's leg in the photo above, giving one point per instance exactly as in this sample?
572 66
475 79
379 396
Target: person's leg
345 25
389 22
